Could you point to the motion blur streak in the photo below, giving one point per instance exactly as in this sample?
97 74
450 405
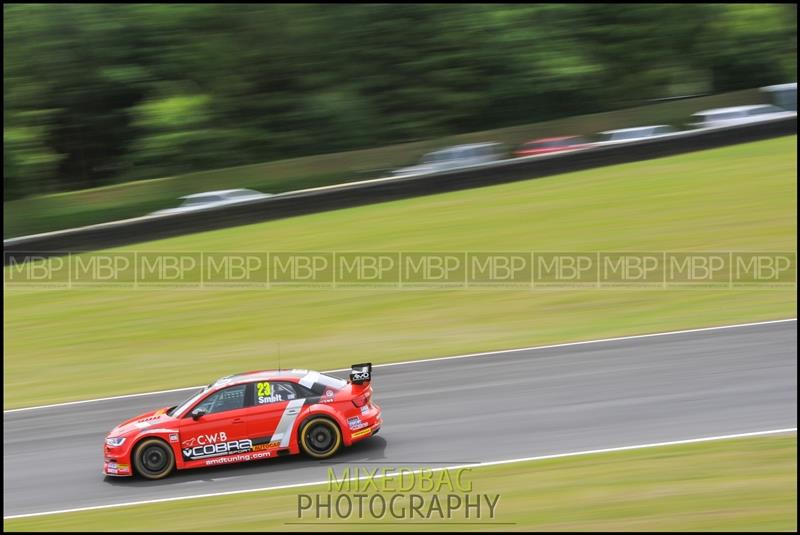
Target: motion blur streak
431 470
631 337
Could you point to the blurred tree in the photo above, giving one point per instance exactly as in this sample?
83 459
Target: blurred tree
98 93
749 45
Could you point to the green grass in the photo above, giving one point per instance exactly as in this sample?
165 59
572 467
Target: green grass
732 485
77 208
62 345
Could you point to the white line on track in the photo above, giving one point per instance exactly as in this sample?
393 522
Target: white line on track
434 359
380 476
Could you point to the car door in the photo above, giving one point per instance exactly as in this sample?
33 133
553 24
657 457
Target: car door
276 406
469 156
222 428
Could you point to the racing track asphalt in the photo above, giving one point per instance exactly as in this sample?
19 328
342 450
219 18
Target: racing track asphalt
484 408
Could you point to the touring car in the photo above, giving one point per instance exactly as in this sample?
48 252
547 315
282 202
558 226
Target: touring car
247 417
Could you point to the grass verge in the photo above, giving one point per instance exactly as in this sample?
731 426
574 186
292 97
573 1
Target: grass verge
747 484
62 345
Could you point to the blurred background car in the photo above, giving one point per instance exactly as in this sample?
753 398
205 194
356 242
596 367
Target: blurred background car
454 157
623 135
211 199
551 144
783 95
738 115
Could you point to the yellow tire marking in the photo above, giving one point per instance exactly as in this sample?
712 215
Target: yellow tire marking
332 425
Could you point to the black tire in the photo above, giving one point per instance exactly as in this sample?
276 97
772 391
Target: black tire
320 437
153 459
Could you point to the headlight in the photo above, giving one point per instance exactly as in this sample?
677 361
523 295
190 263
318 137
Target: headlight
115 442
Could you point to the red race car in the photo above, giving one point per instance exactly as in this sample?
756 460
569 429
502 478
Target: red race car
551 144
247 417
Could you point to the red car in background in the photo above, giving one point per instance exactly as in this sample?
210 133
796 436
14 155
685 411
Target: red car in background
246 417
551 144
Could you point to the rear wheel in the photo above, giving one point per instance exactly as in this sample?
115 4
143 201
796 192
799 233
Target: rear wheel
153 459
320 438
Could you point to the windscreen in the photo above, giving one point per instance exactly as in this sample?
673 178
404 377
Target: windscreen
180 407
197 201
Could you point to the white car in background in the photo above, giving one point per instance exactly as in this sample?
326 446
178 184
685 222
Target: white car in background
738 115
783 95
454 157
212 199
624 135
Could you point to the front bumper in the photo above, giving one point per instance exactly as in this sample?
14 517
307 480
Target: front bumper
117 461
113 468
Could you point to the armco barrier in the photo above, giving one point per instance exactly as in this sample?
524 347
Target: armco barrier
301 202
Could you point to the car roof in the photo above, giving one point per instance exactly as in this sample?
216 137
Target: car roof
633 128
544 139
733 109
247 377
219 192
469 146
780 87
293 375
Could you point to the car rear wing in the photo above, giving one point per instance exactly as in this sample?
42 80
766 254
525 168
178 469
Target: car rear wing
361 373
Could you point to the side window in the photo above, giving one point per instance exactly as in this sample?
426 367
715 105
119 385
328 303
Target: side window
227 399
303 392
266 392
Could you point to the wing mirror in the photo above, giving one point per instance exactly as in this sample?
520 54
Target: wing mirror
197 414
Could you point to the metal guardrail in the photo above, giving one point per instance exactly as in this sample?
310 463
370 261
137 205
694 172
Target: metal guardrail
140 229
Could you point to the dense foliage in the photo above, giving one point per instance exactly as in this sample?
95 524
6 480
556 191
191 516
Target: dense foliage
101 93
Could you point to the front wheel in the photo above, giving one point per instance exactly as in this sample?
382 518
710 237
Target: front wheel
320 438
153 459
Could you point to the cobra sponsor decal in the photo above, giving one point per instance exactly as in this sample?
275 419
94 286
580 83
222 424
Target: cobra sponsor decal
217 450
203 440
